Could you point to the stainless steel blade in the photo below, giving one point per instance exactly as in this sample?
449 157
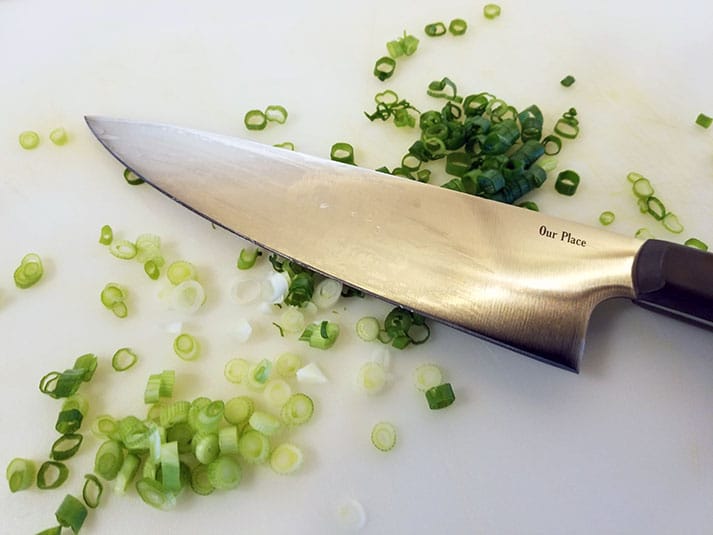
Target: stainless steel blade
513 276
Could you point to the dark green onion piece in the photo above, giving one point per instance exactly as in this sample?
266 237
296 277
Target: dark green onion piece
132 178
435 29
655 208
530 205
20 474
437 89
276 113
106 236
248 257
255 120
108 459
68 420
567 80
56 530
92 491
384 68
409 44
567 182
285 145
704 120
491 11
458 26
152 493
695 242
552 140
440 396
66 446
671 223
57 473
87 363
320 335
458 163
342 152
71 513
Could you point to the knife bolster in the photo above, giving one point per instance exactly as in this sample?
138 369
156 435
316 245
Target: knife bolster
676 280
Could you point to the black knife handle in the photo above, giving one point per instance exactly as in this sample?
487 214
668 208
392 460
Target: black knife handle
675 279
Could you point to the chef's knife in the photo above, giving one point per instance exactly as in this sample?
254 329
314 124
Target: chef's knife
515 277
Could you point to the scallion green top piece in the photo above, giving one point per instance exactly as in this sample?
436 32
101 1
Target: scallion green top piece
704 120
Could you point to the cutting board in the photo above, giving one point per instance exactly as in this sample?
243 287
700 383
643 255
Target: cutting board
626 446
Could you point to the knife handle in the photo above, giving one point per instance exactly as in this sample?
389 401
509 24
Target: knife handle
676 280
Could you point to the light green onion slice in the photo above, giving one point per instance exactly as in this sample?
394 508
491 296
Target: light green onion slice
529 205
170 467
276 113
606 218
132 179
71 513
265 423
200 483
151 269
695 242
123 359
259 373
435 29
104 426
188 296
351 515
326 293
59 136
367 328
287 365
292 320
29 139
51 475
371 378
491 11
92 491
186 347
642 188
633 176
106 235
297 410
152 493
209 416
228 440
127 473
321 335
458 27
255 120
286 458
383 436
277 392
238 410
153 388
384 67
254 446
113 294
236 370
224 473
20 474
123 249
427 376
108 459
205 447
29 272
342 152
56 530
285 145
440 396
180 271
174 413
655 208
66 446
248 257
672 224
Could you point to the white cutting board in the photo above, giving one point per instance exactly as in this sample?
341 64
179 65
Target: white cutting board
625 447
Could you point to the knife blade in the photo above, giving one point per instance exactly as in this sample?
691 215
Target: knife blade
518 278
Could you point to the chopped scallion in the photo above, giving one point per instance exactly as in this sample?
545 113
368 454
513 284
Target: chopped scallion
186 347
58 136
704 120
248 257
695 242
276 113
367 328
71 513
384 68
491 11
286 458
255 120
20 474
567 182
458 27
342 152
383 436
51 475
123 359
435 29
440 396
132 178
29 272
29 139
66 446
92 491
567 81
297 410
106 236
606 218
224 473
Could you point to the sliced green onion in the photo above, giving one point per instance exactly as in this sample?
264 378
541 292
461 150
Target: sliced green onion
567 182
153 388
695 242
224 473
672 224
104 426
367 328
200 483
606 218
127 473
643 234
254 446
29 139
29 272
443 88
342 152
371 378
174 413
152 493
228 439
285 145
326 293
264 422
704 120
108 459
106 235
123 249
655 208
71 513
51 475
567 81
427 376
530 205
248 257
151 269
180 271
435 29
383 436
123 359
68 421
209 416
66 446
20 474
186 347
92 491
238 410
321 335
276 113
642 188
170 467
440 396
384 68
458 26
188 296
236 370
259 373
132 179
277 392
286 458
62 385
552 140
287 365
58 136
297 410
255 120
491 11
